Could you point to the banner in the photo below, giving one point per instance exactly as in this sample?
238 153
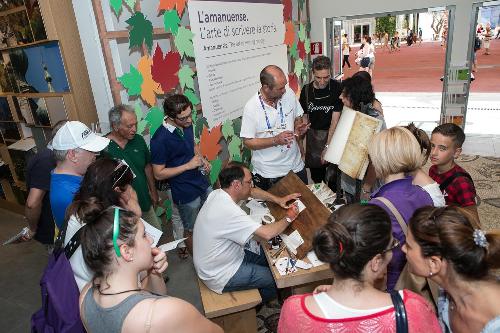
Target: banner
233 42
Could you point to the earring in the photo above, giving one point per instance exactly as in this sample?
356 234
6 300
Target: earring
430 274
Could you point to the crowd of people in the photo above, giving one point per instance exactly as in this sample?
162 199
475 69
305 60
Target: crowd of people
412 226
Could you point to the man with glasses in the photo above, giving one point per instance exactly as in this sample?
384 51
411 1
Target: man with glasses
222 229
129 146
322 107
175 158
272 128
75 147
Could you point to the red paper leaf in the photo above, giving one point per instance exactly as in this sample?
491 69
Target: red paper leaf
209 142
301 49
293 82
287 10
170 4
164 69
289 34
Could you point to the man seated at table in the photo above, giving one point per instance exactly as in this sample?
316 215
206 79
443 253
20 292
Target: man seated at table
222 229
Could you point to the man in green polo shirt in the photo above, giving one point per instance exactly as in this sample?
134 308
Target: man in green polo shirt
125 144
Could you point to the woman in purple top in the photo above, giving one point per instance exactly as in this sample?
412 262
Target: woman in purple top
394 153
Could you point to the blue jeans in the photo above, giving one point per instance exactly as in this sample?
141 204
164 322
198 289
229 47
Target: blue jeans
189 211
253 273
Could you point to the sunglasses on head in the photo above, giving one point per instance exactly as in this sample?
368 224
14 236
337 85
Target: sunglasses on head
119 171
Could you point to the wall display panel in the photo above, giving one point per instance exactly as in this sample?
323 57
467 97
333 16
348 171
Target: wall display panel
36 20
5 114
9 132
18 29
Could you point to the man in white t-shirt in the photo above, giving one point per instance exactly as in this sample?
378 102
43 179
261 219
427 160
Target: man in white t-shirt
222 229
271 127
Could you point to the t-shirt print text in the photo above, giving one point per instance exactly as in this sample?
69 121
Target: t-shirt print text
325 108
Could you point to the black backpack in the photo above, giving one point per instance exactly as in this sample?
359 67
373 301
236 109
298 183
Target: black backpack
477 44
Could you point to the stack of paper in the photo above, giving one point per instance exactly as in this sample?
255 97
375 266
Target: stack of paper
323 193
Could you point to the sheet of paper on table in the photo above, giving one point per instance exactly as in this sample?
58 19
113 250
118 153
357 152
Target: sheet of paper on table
323 193
292 241
257 208
300 205
313 259
153 232
171 245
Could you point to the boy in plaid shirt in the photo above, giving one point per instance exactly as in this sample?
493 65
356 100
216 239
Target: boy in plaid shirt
456 184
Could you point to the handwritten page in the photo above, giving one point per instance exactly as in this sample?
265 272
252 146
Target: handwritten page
171 245
153 232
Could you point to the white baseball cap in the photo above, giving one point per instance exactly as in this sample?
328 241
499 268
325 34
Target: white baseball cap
75 134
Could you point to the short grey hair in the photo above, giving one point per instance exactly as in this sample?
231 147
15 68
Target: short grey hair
60 155
115 114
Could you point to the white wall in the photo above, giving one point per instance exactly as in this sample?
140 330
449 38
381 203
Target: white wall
322 9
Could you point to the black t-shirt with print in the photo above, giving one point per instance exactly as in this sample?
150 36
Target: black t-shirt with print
320 104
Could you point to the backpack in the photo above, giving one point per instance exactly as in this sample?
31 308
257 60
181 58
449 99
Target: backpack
60 294
477 44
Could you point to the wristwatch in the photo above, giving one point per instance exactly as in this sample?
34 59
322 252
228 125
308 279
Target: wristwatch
289 220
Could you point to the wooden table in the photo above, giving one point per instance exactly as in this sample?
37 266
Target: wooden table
312 218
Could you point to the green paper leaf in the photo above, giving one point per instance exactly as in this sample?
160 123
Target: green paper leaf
184 42
131 3
116 5
171 21
227 129
191 95
132 81
141 126
141 31
236 158
200 122
299 67
216 168
138 111
246 156
155 119
307 46
234 146
168 209
308 26
237 126
186 77
302 32
294 52
159 211
301 4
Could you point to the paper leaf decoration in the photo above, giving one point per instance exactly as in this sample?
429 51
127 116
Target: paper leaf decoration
138 111
159 211
131 3
168 209
234 146
227 129
141 126
191 95
201 123
186 77
116 5
184 42
293 51
170 4
236 158
216 168
237 126
302 32
164 69
132 81
155 119
289 33
293 82
209 142
301 4
287 10
141 31
149 87
307 46
246 157
299 67
301 49
171 21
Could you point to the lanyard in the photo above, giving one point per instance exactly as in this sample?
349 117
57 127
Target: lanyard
283 125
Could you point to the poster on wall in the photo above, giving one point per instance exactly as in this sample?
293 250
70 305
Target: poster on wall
233 42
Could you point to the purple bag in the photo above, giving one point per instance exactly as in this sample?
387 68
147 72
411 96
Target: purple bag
60 310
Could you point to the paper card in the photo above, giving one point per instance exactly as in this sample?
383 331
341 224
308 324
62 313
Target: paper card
18 237
303 265
253 246
300 205
285 267
313 259
257 208
292 241
171 245
153 232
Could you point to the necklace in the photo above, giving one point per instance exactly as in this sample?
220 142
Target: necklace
120 292
322 97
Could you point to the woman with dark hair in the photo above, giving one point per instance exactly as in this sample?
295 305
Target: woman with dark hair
108 182
358 245
117 248
446 246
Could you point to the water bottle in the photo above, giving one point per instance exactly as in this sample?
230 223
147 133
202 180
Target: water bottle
201 168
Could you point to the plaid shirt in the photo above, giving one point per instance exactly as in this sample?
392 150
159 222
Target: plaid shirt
461 192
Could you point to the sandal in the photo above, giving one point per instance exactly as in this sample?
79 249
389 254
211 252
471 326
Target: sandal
183 253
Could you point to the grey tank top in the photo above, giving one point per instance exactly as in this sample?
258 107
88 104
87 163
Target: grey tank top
110 320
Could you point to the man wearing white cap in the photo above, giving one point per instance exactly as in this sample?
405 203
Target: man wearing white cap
75 147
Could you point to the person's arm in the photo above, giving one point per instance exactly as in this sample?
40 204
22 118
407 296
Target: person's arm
161 172
260 194
271 230
331 130
33 209
284 138
148 170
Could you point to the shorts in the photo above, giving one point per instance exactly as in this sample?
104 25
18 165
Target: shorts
365 62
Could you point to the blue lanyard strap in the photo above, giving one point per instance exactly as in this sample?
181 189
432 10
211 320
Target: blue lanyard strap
265 113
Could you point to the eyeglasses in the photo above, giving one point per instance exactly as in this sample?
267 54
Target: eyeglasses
249 182
116 231
183 119
395 243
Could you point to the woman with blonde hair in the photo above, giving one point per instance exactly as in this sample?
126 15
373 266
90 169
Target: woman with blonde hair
394 154
446 246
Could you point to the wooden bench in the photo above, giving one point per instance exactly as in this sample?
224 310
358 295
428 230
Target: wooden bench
233 311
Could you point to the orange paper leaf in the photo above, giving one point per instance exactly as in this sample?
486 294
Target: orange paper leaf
170 4
149 87
209 142
289 34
